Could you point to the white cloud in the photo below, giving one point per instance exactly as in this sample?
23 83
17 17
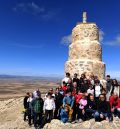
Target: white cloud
29 7
35 10
66 40
101 35
114 42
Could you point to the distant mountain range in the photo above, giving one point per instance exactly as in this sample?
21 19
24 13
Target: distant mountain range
47 78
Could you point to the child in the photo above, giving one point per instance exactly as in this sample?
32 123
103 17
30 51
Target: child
64 114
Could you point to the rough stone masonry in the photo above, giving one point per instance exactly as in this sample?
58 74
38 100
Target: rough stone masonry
85 51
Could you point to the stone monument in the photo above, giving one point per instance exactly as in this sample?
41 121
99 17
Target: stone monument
85 51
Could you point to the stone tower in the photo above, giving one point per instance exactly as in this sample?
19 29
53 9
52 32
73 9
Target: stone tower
85 51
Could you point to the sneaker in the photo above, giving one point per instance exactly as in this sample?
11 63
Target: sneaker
80 120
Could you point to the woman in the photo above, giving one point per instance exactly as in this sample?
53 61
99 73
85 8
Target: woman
115 87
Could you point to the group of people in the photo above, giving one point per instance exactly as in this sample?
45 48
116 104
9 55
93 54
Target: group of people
75 100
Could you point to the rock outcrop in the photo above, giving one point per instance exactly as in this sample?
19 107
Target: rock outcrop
85 51
91 124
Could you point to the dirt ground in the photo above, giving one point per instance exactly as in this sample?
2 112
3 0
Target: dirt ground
14 88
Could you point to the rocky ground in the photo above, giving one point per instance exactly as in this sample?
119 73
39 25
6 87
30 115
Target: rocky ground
11 117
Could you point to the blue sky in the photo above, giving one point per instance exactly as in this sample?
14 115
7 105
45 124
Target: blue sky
34 34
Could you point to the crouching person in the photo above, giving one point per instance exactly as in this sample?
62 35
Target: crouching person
103 110
81 110
91 107
68 101
49 108
37 111
64 114
115 104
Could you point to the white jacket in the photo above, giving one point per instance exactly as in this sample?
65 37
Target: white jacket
49 104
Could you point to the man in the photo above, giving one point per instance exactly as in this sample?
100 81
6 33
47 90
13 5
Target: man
75 79
37 105
58 103
103 109
108 86
25 105
68 101
115 104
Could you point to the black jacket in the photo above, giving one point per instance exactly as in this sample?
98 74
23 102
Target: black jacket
58 99
25 102
104 107
91 104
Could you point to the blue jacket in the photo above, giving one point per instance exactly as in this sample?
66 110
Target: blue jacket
63 116
68 100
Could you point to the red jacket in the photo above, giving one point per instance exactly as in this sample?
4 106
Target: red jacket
64 88
78 97
113 103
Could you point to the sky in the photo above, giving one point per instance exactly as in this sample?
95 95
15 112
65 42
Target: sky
35 34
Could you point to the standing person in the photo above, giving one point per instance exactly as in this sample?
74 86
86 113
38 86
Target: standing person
82 78
25 105
103 109
37 105
67 77
68 101
90 90
82 107
51 91
97 90
115 104
75 79
30 109
49 108
108 86
91 107
58 103
115 87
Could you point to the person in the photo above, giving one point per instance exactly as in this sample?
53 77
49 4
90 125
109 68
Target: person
58 103
48 108
108 83
91 107
82 78
30 111
97 90
25 105
51 91
115 104
68 101
103 109
37 105
64 114
115 87
84 83
64 87
90 90
67 77
81 110
61 90
76 79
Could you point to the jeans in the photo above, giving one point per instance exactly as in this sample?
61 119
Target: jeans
37 119
105 115
89 113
